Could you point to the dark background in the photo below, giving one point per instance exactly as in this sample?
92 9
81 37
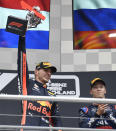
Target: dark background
13 108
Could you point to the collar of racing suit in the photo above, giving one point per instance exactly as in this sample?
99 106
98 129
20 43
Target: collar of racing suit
38 83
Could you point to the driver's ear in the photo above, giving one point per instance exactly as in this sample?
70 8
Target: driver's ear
105 91
36 71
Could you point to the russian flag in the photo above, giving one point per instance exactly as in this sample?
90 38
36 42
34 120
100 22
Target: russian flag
94 24
36 38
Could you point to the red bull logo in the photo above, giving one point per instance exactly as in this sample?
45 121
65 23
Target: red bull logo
45 103
41 109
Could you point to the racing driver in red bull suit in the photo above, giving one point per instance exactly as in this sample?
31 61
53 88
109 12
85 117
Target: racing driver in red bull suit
101 116
41 113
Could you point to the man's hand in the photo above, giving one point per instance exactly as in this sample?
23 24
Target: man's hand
101 109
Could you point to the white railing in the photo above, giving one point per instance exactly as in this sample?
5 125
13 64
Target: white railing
60 99
30 128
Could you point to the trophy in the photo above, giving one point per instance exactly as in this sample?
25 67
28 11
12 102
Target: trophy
19 26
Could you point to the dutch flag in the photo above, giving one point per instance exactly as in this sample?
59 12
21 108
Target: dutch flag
36 38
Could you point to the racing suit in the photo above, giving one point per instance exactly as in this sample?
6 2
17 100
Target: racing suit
39 112
35 113
89 118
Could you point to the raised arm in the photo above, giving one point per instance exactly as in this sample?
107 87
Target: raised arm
22 66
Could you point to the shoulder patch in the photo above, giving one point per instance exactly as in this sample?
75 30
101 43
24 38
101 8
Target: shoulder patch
51 93
84 109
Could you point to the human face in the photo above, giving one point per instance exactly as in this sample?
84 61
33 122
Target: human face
43 75
98 90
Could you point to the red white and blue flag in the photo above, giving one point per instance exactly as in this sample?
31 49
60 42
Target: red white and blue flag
36 38
94 24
